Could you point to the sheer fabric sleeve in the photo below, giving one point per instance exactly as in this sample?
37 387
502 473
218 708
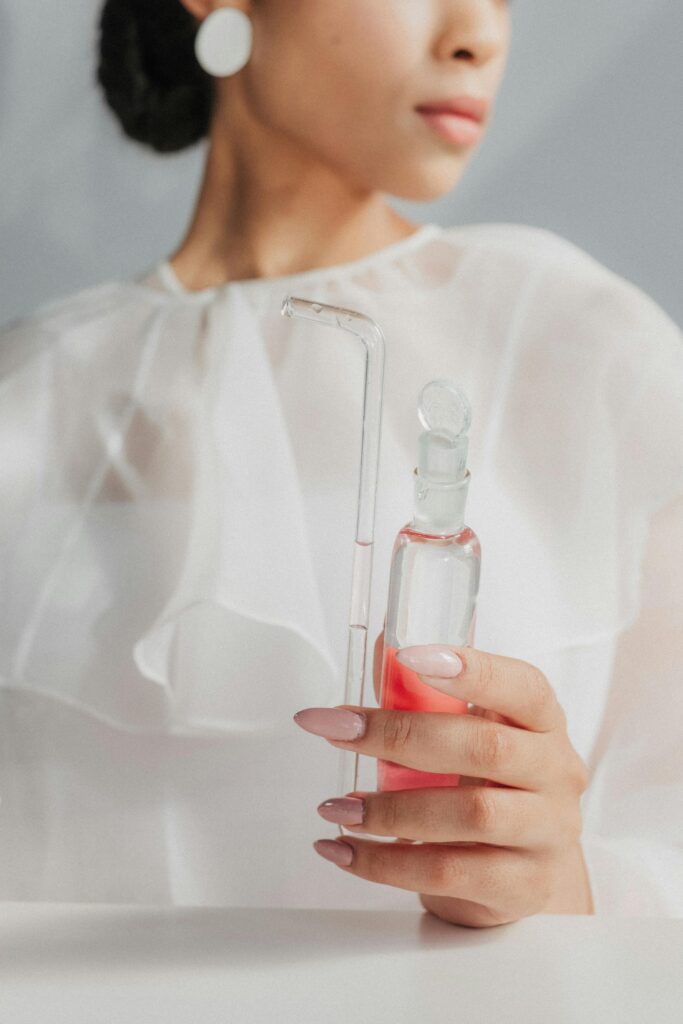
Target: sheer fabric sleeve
633 808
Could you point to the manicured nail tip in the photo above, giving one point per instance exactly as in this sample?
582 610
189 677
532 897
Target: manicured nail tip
337 851
435 660
332 723
347 810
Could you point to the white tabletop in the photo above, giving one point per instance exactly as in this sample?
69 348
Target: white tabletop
102 963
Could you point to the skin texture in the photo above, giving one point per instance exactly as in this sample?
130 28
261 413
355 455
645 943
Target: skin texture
321 122
305 142
503 845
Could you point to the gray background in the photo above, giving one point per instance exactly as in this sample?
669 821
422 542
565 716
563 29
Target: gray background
585 140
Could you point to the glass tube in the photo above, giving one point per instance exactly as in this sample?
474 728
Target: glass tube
370 334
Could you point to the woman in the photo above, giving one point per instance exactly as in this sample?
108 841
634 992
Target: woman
180 492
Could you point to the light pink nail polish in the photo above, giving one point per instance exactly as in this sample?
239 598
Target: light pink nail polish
431 660
337 851
344 810
332 723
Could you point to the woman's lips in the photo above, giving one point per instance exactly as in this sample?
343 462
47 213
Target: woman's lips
454 127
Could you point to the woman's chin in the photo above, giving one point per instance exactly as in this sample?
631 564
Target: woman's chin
426 187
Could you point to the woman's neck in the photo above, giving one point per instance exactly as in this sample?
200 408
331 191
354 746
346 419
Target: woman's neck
266 209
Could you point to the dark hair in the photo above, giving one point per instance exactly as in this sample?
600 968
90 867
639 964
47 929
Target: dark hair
149 73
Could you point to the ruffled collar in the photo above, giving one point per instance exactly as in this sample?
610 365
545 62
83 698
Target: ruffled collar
168 278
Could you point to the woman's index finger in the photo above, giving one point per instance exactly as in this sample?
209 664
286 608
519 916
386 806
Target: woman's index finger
510 687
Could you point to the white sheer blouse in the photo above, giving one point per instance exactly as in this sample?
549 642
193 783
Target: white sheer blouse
178 479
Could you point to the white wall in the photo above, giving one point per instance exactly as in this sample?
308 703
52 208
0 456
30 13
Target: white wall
586 140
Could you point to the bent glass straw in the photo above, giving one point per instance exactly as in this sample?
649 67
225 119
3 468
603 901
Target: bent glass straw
370 334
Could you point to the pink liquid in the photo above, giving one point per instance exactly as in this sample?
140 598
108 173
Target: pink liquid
402 689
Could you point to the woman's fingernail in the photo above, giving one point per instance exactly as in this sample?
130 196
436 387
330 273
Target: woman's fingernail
337 851
436 660
343 810
332 723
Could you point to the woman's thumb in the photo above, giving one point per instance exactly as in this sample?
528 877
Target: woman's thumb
377 664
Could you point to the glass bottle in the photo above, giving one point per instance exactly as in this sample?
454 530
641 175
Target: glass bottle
434 573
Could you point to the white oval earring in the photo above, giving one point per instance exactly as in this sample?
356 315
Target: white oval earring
223 42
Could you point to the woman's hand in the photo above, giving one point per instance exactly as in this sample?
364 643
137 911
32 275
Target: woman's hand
519 817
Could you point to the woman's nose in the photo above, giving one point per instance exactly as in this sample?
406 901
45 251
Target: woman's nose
473 30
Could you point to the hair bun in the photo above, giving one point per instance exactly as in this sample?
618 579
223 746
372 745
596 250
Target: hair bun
149 73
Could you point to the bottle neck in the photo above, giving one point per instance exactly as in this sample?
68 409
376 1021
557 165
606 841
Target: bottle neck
439 508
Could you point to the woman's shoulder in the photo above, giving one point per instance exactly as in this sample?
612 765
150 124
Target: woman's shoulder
101 308
602 335
530 247
509 238
568 285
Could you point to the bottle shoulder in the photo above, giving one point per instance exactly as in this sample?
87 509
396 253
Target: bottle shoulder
466 540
